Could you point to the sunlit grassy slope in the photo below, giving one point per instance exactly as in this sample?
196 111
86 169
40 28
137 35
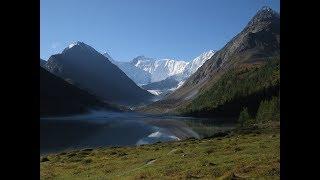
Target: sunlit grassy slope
253 153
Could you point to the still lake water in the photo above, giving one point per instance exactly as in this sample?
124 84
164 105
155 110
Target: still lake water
101 128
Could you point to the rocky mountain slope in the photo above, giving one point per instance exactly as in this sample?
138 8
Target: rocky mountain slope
253 46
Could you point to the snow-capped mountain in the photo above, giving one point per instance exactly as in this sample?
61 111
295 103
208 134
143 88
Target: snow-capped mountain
139 76
144 70
159 69
173 82
169 74
193 66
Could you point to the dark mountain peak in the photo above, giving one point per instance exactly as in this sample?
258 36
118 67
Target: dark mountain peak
265 8
265 14
268 10
90 70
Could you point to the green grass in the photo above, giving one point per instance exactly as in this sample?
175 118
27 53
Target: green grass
245 153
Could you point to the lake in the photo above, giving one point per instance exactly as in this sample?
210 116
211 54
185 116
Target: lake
102 128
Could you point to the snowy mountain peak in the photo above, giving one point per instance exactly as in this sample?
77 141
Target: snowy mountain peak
140 59
204 56
159 69
180 72
145 70
197 62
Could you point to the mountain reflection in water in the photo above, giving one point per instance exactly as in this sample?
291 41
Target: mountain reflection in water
101 128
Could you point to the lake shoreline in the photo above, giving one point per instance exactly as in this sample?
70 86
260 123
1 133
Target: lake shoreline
121 129
211 157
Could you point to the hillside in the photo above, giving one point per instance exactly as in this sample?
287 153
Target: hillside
236 89
253 46
57 97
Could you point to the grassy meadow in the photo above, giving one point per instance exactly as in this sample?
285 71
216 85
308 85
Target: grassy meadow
244 153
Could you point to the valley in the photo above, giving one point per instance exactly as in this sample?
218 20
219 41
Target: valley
216 116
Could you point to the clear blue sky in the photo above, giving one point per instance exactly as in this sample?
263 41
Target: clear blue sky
179 29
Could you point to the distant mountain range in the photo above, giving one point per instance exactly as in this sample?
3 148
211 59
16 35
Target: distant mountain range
149 69
151 74
58 97
173 82
84 67
241 74
254 46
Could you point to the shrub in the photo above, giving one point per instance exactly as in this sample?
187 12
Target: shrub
244 118
269 110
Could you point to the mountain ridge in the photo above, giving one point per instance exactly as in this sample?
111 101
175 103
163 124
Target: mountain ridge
83 66
259 40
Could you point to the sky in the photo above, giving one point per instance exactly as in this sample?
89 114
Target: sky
177 29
